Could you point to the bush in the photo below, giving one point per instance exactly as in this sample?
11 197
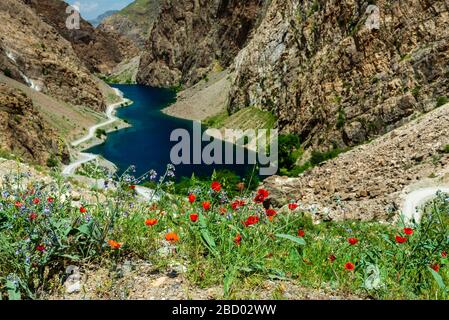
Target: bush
99 133
7 72
441 101
52 161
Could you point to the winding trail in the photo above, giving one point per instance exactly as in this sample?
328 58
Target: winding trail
83 157
86 157
416 199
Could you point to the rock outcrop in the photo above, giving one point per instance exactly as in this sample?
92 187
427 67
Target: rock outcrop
191 37
24 132
100 51
368 182
336 77
135 21
34 53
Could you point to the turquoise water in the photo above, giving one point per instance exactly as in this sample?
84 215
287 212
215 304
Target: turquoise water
147 144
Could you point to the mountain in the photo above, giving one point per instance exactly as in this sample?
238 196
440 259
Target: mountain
134 21
333 79
48 94
34 53
100 51
321 68
95 22
190 38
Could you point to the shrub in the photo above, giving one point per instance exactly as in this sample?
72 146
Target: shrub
441 101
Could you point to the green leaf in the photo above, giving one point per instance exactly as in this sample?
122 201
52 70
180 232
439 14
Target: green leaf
297 240
13 290
438 278
206 237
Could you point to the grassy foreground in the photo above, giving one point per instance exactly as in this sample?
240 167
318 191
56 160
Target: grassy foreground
234 242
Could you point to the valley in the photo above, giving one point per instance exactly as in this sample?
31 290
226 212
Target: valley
359 205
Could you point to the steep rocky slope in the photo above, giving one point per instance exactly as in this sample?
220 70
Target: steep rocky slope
335 80
368 182
100 51
33 52
24 132
134 21
191 37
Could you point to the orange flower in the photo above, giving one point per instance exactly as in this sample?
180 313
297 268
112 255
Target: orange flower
206 205
436 267
223 210
172 237
301 233
408 231
192 198
83 210
114 244
36 201
292 206
150 222
353 241
400 239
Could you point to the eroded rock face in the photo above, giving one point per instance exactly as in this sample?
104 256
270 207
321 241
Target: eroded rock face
334 80
33 53
190 37
24 132
99 50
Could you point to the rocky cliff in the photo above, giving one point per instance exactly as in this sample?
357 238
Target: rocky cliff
336 77
191 37
134 21
24 132
34 53
99 50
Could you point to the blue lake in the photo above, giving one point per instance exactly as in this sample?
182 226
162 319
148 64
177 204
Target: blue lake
147 143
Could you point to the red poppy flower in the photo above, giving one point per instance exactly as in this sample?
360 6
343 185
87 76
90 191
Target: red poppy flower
83 210
400 239
251 220
36 201
114 244
436 267
192 198
132 187
216 186
349 266
353 241
206 205
270 212
262 194
50 200
18 204
40 248
301 233
172 237
150 222
408 231
194 217
444 254
332 258
32 216
292 206
238 239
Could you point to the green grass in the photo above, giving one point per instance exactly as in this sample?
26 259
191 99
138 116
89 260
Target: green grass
34 249
244 119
